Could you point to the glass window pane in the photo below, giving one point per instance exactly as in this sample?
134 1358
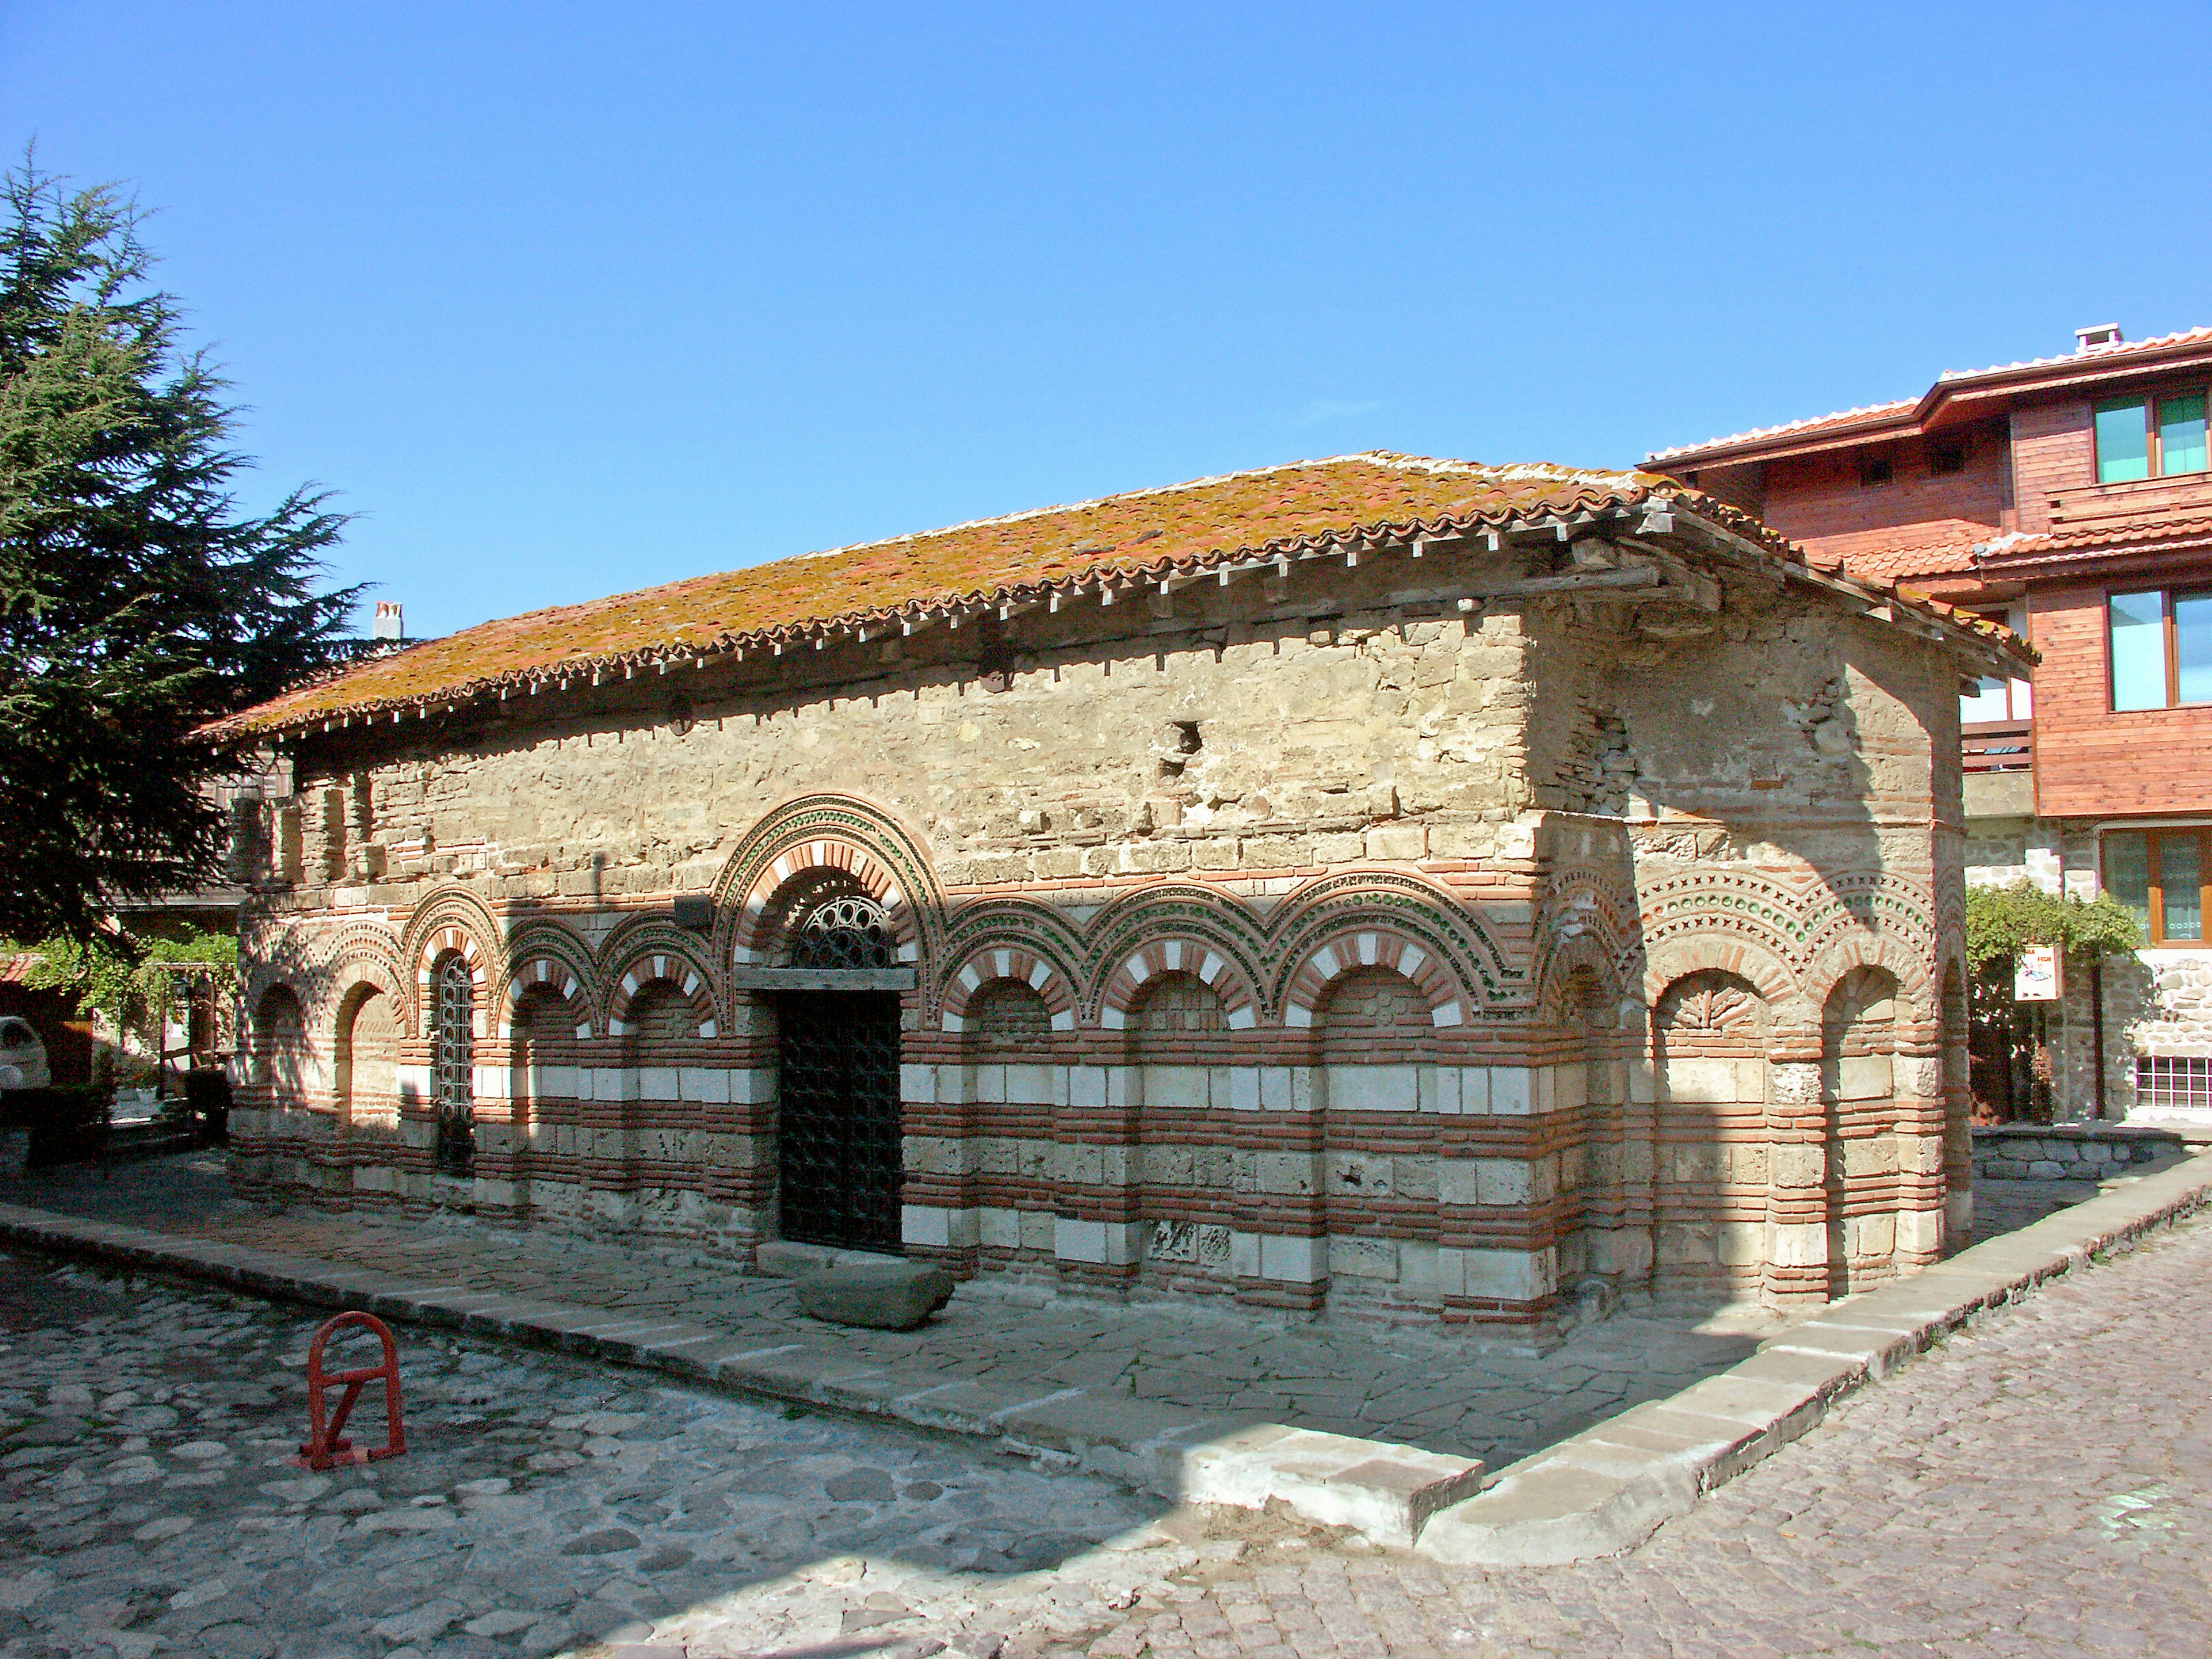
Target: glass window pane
2179 874
2181 434
1989 702
2192 645
2122 442
2138 651
2127 871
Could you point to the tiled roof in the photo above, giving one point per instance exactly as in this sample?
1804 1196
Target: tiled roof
2092 538
1919 557
1868 414
2086 354
2088 358
15 967
1119 540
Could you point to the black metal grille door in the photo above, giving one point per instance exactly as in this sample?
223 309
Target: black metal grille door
838 1163
452 1086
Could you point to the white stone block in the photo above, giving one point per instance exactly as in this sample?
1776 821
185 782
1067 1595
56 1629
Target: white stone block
707 1085
1512 1091
1373 1089
1293 1261
1030 1085
1701 1082
553 1083
987 1085
918 1084
931 1227
660 1083
1865 1076
1570 1087
1798 1244
1511 1275
1086 1088
1364 1258
1244 1088
1079 1241
1244 1255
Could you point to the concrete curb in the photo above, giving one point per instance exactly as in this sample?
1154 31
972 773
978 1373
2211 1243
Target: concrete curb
1387 1492
1610 1487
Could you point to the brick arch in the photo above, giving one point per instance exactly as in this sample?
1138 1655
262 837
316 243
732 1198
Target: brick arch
1240 1004
536 969
993 964
661 967
451 919
436 944
1356 947
813 834
1581 955
1679 958
1914 974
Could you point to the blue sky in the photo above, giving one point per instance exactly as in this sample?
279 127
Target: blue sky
566 300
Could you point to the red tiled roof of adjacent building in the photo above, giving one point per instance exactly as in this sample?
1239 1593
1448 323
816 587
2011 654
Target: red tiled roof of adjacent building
1145 535
1908 411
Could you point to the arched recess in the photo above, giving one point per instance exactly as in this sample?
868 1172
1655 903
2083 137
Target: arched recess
1132 980
1860 1165
1710 1202
1181 1052
1013 1088
366 1052
1443 1001
1601 1172
1958 1111
283 1059
1377 1179
543 1023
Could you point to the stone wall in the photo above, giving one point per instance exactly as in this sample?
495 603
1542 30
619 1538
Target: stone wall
1269 943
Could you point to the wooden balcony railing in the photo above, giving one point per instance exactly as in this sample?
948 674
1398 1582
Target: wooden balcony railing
1998 746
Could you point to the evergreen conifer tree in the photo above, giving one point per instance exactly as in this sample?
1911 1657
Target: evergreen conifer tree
137 601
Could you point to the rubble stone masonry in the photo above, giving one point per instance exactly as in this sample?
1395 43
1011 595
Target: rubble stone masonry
1282 940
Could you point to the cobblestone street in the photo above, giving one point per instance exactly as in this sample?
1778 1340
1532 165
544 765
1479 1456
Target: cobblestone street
2038 1486
1453 1393
542 1503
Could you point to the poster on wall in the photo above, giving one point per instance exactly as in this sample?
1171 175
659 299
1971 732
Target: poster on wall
2035 974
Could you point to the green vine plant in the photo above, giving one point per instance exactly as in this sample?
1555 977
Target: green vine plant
137 995
2013 1071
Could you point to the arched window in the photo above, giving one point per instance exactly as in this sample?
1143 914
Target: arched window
453 1063
843 930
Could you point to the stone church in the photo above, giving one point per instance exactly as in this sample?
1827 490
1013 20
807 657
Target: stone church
1379 884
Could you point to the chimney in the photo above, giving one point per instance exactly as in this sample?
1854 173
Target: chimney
2097 334
388 624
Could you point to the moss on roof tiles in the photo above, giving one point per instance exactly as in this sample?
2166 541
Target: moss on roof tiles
1180 526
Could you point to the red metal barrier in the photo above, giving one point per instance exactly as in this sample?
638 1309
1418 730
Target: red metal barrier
326 1447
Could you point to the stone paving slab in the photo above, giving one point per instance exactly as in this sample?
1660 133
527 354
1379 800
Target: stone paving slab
1609 1487
1387 1491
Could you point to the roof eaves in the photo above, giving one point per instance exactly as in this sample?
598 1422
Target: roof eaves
1584 493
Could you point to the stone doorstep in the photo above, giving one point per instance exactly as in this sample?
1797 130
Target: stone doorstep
1387 1492
1610 1487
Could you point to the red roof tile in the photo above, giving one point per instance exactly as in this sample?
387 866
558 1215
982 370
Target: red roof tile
1143 535
2090 360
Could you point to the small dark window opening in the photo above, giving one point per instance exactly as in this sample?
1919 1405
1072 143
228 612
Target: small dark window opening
1181 741
1875 469
1944 458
